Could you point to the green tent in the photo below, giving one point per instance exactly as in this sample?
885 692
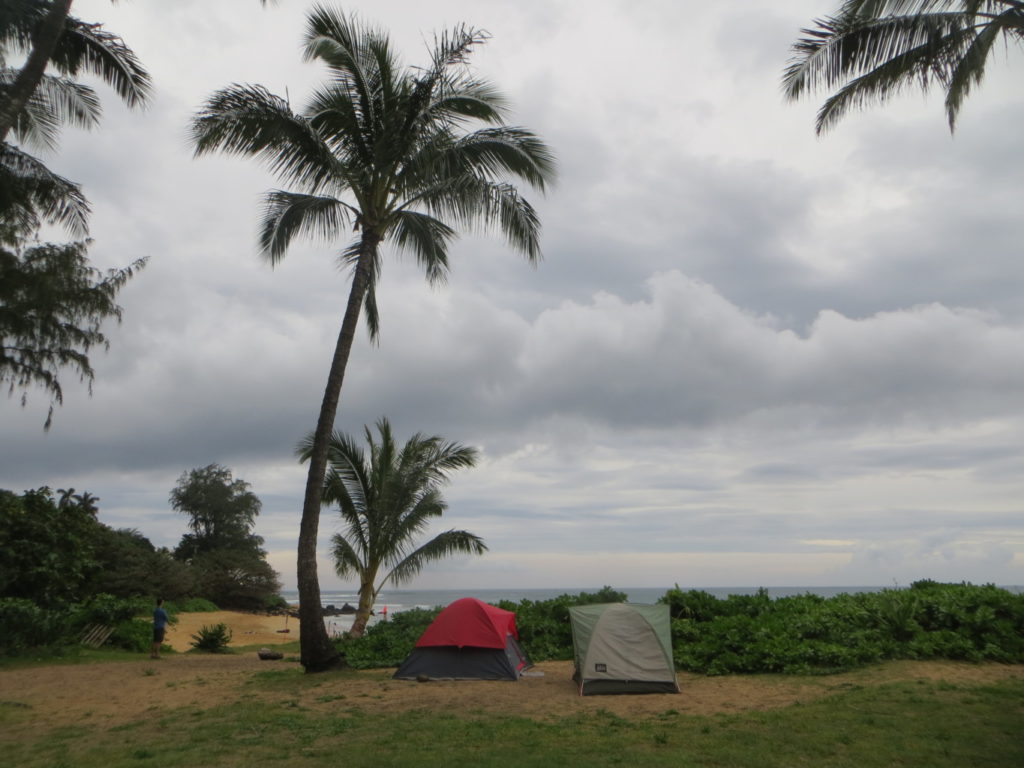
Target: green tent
623 648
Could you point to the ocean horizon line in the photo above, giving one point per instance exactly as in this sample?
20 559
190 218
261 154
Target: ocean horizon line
404 599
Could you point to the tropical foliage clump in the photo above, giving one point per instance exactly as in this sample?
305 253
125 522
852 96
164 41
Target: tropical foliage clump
808 633
757 634
212 638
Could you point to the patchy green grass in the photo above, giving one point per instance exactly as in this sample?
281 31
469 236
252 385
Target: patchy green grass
925 724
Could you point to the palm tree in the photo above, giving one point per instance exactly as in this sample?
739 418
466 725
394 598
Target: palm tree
387 499
873 49
386 152
51 37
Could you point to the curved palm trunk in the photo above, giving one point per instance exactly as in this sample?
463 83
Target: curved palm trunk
31 74
366 597
317 652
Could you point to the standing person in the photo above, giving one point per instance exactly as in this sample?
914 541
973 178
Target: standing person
159 628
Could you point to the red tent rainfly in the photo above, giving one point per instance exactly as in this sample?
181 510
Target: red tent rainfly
469 640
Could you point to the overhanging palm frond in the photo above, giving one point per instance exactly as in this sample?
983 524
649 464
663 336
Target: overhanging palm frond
287 214
31 194
55 101
483 204
346 560
427 238
441 546
88 48
250 121
873 49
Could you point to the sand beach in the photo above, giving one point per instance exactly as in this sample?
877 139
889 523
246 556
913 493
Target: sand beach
246 628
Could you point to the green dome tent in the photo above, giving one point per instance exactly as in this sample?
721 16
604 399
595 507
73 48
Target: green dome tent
622 648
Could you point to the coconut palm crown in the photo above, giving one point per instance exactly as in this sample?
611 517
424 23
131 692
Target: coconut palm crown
387 499
380 153
873 49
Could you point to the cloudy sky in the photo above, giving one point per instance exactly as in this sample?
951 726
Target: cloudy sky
750 357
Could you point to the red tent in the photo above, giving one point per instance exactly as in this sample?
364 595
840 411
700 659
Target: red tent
468 640
470 622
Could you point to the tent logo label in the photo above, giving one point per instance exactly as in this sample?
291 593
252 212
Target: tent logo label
600 667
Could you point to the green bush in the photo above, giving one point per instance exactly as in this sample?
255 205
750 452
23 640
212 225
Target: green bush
212 639
132 635
808 633
387 643
25 626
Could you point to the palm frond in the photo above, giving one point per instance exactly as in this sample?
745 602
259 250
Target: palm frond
871 50
427 238
55 101
287 214
969 70
346 559
250 121
441 546
89 48
482 204
31 194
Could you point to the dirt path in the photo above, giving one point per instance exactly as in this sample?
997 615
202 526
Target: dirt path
114 693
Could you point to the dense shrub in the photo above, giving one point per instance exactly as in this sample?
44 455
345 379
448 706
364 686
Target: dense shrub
212 639
754 633
808 633
25 626
387 643
544 629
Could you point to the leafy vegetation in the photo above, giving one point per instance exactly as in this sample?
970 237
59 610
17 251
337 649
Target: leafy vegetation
756 634
53 303
808 633
225 556
213 638
62 570
871 50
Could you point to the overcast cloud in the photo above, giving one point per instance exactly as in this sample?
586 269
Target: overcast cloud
750 356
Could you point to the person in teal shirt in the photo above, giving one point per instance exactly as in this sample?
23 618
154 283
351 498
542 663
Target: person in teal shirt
159 628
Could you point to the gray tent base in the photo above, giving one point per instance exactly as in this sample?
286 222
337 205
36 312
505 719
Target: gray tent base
449 662
611 687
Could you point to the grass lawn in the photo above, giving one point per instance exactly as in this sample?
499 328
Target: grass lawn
931 724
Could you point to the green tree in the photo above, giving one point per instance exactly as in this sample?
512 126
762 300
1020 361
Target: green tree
47 552
240 579
52 308
130 566
387 152
872 50
221 510
227 559
387 499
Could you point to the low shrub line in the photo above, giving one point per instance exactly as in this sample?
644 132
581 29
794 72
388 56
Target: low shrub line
755 633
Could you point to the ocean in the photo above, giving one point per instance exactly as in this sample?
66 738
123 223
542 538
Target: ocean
395 600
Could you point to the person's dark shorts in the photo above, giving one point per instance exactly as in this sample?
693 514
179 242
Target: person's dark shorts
158 634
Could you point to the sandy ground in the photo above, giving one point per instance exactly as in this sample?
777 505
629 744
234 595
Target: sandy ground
113 693
246 628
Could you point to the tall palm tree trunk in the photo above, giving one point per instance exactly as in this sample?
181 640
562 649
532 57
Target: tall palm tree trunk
31 74
317 652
